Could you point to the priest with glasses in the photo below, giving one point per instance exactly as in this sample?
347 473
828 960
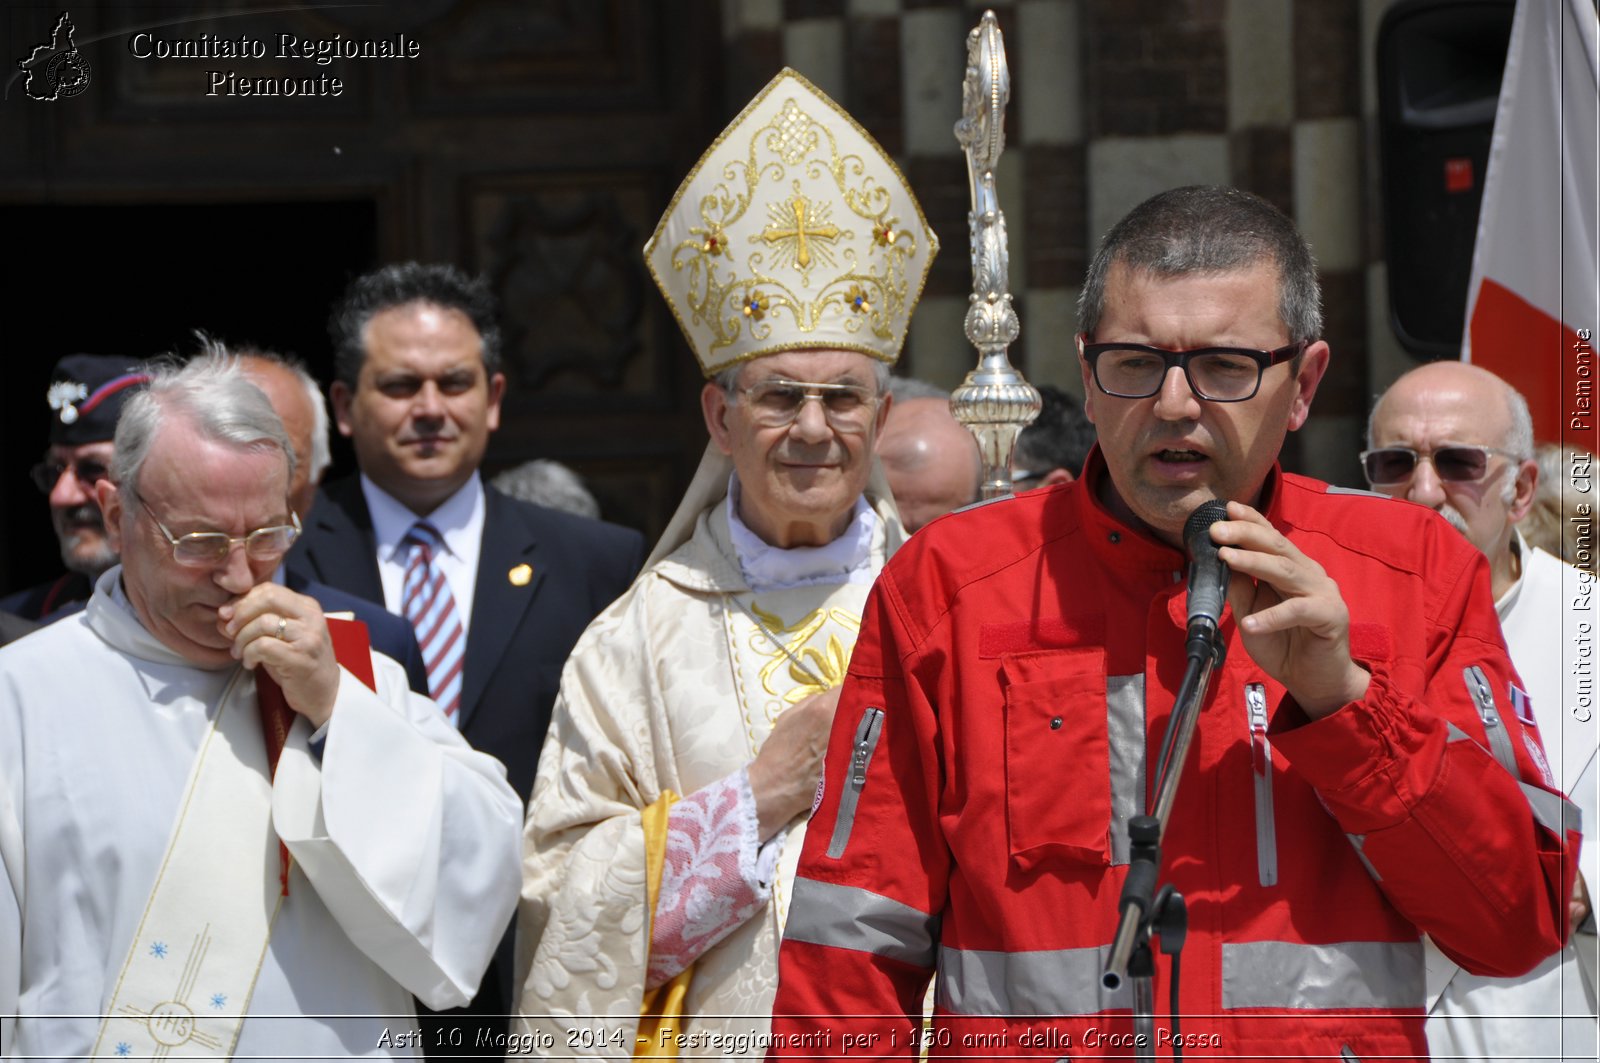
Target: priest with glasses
227 828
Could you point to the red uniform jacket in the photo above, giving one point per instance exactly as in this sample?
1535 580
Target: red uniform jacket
1014 676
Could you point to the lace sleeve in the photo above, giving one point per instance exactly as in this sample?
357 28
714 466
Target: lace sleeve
717 875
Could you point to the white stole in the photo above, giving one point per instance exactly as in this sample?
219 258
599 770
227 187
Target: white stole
186 984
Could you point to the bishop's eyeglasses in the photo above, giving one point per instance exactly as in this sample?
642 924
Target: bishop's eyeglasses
776 403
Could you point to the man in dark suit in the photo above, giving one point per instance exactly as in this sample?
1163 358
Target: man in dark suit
417 390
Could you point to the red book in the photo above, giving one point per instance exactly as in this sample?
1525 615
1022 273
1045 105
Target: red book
353 650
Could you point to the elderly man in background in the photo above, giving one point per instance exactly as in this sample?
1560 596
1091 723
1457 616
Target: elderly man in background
714 679
86 394
1459 440
281 843
1560 521
548 483
297 400
931 461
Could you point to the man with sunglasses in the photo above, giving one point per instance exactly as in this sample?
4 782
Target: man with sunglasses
1458 439
714 679
219 835
1021 660
86 395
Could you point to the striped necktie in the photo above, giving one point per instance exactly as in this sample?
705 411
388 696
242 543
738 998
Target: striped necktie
431 609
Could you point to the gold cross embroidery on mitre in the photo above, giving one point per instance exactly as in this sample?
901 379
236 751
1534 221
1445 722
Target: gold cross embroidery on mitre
796 230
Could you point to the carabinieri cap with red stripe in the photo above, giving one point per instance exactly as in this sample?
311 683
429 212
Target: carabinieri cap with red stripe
86 395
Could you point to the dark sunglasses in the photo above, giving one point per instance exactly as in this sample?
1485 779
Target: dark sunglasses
1461 463
47 473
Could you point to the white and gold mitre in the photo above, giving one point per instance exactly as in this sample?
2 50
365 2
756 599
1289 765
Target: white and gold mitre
793 230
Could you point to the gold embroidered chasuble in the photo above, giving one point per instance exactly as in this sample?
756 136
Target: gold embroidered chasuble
674 687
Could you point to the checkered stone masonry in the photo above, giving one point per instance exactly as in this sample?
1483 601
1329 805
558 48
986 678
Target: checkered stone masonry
1134 83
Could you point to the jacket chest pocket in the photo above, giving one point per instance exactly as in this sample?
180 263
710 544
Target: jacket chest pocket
1062 757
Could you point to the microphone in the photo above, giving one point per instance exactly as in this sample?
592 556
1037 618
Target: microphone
1208 575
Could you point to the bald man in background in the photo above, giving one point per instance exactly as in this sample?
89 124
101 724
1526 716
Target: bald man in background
931 460
1459 440
297 400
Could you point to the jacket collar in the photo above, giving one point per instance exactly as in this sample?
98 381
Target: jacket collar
1121 544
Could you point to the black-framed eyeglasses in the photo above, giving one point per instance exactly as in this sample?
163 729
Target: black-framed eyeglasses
776 403
207 549
1459 463
47 473
1215 374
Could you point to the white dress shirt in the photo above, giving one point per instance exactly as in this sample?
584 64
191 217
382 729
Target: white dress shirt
459 520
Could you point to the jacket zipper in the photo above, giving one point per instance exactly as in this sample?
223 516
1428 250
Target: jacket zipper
1255 700
1483 698
861 750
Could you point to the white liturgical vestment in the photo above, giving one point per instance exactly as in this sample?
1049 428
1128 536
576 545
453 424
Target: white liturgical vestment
404 843
673 687
1548 1013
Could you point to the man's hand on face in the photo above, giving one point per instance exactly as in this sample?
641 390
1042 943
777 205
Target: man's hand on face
274 628
1292 620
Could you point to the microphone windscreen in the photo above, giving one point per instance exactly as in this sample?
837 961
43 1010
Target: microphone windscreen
1197 529
1208 575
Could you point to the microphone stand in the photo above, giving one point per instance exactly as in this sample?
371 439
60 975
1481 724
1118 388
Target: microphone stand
1144 910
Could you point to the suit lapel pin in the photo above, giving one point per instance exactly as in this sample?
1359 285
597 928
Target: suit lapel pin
520 575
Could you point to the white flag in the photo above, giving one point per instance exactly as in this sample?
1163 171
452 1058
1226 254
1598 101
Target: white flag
1532 300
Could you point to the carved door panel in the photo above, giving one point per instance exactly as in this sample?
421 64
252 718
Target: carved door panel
203 173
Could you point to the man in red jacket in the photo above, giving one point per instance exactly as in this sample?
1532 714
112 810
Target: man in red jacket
1017 666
